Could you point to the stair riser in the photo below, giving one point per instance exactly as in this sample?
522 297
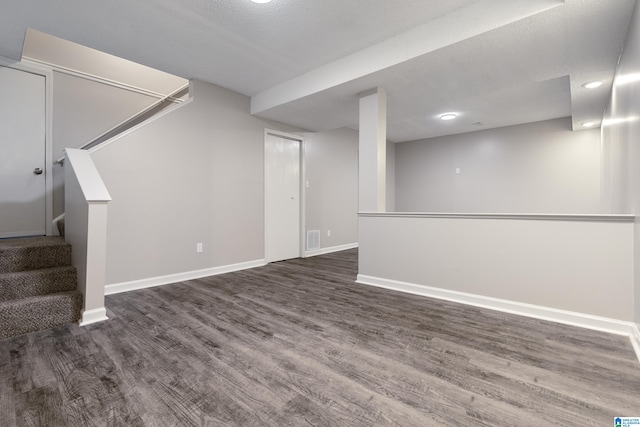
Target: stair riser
22 259
39 282
37 313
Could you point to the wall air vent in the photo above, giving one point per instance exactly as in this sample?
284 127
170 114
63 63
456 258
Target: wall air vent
313 240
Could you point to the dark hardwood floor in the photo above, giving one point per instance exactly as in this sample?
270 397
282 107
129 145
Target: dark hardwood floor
298 343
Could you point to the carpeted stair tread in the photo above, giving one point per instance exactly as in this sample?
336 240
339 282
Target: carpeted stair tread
33 253
39 312
38 285
43 281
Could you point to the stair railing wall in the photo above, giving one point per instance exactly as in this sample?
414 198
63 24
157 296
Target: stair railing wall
162 104
86 199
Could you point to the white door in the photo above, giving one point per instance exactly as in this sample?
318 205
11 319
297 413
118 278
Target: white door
282 197
22 153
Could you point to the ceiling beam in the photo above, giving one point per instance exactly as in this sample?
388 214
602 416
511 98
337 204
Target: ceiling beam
477 18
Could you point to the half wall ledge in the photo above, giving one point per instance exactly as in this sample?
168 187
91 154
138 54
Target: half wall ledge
511 216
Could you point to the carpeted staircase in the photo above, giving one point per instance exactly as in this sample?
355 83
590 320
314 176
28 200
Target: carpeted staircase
38 285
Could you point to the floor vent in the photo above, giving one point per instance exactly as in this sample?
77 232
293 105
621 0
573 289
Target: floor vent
313 240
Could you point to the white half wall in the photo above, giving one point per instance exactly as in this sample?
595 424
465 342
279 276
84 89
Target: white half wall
542 167
579 264
86 231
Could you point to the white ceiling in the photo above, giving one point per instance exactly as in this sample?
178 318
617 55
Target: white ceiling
303 62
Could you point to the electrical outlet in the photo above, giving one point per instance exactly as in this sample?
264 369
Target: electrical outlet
457 170
198 247
328 233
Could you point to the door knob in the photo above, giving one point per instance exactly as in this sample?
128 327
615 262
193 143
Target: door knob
37 171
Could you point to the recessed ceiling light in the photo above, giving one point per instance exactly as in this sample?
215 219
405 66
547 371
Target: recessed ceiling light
592 85
261 1
589 124
448 116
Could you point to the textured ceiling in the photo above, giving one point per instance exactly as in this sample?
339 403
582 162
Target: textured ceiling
498 62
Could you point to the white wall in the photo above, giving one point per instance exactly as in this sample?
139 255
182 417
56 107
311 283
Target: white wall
391 176
541 167
82 110
194 175
53 51
95 92
331 169
621 140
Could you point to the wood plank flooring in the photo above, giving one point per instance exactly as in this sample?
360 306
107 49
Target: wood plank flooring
298 343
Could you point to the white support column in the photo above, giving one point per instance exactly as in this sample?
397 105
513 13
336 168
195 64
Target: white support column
373 151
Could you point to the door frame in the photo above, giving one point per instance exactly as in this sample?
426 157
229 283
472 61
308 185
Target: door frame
48 132
302 198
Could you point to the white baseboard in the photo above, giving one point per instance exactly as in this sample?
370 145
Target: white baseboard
635 339
28 233
93 316
582 320
133 285
329 250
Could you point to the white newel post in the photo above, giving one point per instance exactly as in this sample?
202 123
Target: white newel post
373 151
86 199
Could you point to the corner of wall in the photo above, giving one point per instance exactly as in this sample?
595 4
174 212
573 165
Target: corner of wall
635 339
